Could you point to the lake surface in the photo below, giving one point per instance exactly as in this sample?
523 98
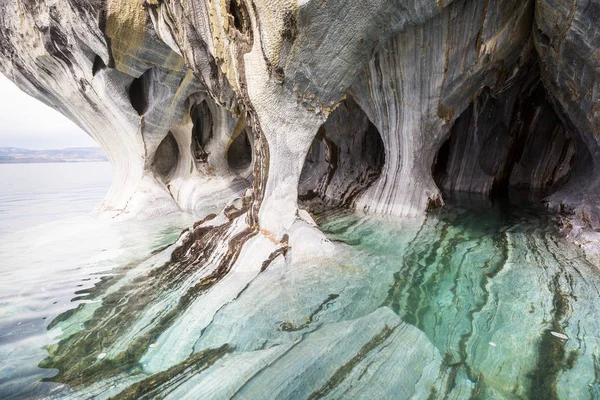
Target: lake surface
479 300
51 247
32 194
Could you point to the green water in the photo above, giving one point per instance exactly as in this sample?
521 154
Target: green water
475 301
493 287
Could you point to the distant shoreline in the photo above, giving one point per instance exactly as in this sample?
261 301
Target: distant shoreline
13 155
3 162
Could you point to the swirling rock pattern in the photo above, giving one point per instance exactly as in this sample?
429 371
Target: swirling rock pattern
479 301
236 109
134 75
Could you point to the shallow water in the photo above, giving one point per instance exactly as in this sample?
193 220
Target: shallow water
477 300
51 251
510 305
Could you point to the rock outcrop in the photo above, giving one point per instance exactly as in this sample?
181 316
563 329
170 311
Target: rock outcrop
251 112
195 102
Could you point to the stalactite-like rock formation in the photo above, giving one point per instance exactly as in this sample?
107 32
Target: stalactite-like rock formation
103 65
195 102
251 112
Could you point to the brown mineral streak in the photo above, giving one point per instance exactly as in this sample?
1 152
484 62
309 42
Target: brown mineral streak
127 29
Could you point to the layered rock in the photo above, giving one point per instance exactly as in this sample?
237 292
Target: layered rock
103 65
566 39
245 106
421 81
179 94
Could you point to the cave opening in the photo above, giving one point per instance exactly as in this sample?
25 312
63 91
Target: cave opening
239 152
98 65
346 157
166 156
507 142
138 92
202 130
440 163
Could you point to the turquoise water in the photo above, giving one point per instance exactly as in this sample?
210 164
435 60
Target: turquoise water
510 305
478 300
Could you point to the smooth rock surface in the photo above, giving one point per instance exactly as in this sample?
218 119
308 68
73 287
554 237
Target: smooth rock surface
474 300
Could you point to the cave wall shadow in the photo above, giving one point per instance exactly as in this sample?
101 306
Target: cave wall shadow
345 158
510 141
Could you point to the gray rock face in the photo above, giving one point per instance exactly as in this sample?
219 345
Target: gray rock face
243 107
567 37
193 101
416 87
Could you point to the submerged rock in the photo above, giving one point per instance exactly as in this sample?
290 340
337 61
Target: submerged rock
471 302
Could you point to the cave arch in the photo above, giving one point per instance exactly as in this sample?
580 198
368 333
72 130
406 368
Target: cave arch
166 156
505 141
345 158
239 152
138 92
98 65
219 141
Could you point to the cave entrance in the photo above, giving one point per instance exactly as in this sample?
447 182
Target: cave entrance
440 163
166 157
139 91
239 153
210 125
202 130
507 141
98 65
345 158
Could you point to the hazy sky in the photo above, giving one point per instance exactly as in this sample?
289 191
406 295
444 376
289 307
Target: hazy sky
27 123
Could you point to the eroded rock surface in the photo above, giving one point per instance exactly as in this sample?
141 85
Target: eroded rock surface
186 96
236 109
